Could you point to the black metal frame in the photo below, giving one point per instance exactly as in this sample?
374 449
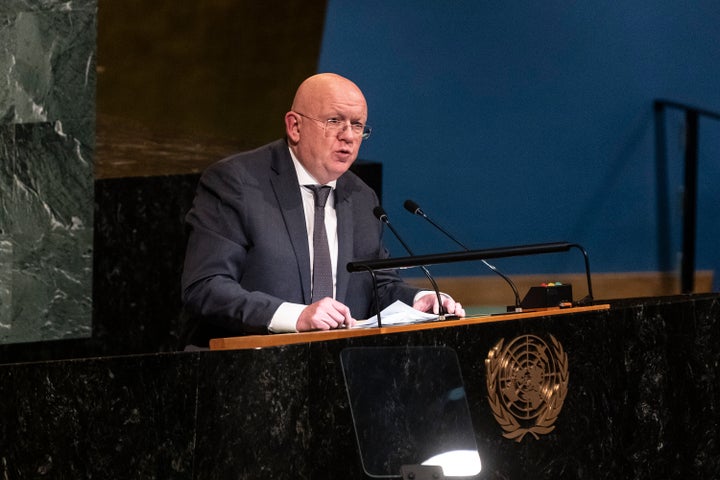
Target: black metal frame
692 117
465 256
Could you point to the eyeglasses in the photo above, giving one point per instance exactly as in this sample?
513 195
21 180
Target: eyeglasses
335 126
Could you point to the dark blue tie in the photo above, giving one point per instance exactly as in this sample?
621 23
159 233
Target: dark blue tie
322 280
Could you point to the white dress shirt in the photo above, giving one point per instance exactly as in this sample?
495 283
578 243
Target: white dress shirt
286 316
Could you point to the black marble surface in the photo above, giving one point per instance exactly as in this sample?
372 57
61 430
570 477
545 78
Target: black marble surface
643 403
139 243
99 418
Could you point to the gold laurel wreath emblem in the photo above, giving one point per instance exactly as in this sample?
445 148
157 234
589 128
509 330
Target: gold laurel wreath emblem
553 393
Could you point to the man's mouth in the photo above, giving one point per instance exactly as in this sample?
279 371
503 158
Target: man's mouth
344 152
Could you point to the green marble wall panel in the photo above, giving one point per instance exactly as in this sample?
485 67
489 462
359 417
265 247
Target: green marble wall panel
47 131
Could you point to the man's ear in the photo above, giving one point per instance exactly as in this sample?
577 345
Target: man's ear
291 127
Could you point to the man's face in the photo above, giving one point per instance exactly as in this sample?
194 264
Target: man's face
328 152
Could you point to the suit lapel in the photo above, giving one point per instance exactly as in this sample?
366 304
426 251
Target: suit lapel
285 185
344 211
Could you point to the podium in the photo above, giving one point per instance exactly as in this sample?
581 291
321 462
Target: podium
262 341
391 381
639 385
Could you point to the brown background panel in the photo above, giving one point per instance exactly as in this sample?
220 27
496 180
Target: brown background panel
180 83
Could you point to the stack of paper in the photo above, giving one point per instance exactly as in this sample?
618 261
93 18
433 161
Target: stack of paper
398 313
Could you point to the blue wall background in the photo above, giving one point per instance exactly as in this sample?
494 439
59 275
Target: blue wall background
527 122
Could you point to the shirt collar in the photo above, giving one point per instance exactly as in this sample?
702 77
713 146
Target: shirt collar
304 177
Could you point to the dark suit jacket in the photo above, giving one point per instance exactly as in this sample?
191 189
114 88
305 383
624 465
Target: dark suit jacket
248 247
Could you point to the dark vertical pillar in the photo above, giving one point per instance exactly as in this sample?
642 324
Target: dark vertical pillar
690 202
662 182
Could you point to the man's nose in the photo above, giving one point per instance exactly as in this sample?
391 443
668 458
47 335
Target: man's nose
346 132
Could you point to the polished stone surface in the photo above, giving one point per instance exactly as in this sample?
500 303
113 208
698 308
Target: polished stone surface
139 251
643 402
99 418
47 221
47 112
139 246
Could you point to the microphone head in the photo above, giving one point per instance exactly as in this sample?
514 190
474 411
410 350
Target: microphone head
380 214
412 207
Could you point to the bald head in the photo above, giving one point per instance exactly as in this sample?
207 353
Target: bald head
326 154
325 87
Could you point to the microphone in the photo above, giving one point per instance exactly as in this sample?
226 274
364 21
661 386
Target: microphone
415 209
379 212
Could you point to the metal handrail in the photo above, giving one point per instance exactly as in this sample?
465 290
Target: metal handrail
692 116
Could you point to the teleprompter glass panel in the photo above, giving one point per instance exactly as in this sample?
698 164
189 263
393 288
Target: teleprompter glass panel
409 408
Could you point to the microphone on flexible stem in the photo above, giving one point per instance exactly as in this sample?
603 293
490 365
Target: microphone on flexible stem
379 212
415 209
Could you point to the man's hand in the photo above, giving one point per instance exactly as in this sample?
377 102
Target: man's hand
429 303
325 315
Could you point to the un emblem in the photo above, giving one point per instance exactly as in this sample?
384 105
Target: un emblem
527 383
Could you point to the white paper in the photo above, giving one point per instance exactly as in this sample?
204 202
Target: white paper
398 313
